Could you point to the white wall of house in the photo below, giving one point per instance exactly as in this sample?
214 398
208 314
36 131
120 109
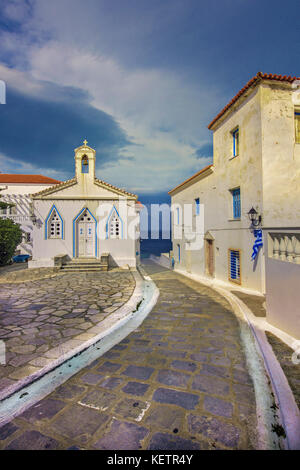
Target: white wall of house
22 188
19 195
267 171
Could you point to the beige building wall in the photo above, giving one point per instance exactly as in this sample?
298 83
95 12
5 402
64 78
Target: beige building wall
281 207
281 157
267 170
243 171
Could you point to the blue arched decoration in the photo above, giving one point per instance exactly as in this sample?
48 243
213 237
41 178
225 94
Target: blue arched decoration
46 222
75 233
84 166
114 209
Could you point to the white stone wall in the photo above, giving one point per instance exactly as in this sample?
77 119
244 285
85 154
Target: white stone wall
19 194
283 280
22 188
122 251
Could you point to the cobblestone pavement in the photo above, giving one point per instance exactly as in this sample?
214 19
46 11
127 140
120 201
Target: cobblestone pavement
179 381
37 316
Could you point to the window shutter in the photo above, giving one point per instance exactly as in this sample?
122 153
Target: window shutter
234 265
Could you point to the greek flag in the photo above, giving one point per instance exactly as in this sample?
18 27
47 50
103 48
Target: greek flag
257 243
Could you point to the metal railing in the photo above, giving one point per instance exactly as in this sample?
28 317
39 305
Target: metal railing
18 218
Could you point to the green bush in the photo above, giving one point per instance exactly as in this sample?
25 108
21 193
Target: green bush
10 237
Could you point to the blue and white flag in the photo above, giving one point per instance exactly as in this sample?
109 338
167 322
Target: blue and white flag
258 243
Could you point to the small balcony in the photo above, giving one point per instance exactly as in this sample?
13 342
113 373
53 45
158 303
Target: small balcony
284 246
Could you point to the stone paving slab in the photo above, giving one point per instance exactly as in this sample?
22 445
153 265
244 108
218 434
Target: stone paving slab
145 393
42 320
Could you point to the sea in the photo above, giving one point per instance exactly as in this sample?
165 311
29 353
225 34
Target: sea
155 246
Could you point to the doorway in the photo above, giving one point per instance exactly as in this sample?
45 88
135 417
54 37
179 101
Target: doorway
86 235
210 257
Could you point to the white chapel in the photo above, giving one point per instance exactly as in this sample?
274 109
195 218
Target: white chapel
85 218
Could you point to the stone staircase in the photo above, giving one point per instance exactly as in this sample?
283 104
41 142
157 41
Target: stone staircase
86 265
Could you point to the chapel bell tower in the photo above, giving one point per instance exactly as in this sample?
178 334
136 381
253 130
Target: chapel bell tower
85 158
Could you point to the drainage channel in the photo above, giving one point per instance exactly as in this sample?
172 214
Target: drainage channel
20 401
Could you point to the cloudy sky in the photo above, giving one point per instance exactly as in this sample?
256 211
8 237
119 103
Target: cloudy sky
139 79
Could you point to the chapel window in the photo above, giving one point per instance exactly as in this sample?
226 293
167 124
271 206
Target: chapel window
54 226
114 228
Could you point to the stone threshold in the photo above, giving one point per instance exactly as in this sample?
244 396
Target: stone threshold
56 356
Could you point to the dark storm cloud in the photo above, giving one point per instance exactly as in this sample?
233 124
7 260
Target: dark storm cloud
44 133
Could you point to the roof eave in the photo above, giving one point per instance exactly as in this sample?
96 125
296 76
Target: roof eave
85 147
246 91
53 189
208 170
115 189
232 105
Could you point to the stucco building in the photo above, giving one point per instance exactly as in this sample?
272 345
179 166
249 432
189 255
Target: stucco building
85 218
256 164
16 189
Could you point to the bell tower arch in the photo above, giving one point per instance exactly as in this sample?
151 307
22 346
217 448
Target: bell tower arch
85 158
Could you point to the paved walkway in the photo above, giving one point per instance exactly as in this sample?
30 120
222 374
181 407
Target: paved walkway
38 316
178 382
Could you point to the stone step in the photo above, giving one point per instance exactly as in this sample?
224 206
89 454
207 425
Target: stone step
78 265
84 265
86 270
84 261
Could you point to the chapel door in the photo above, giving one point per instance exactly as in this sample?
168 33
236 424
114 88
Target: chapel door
86 236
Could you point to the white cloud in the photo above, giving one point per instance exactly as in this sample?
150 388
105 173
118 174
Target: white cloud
162 113
16 10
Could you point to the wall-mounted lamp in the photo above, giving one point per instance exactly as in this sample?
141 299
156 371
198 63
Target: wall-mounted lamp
33 219
254 217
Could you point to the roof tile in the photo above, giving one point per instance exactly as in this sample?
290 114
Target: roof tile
27 179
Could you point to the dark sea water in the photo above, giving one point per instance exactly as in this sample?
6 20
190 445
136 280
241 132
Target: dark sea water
155 246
